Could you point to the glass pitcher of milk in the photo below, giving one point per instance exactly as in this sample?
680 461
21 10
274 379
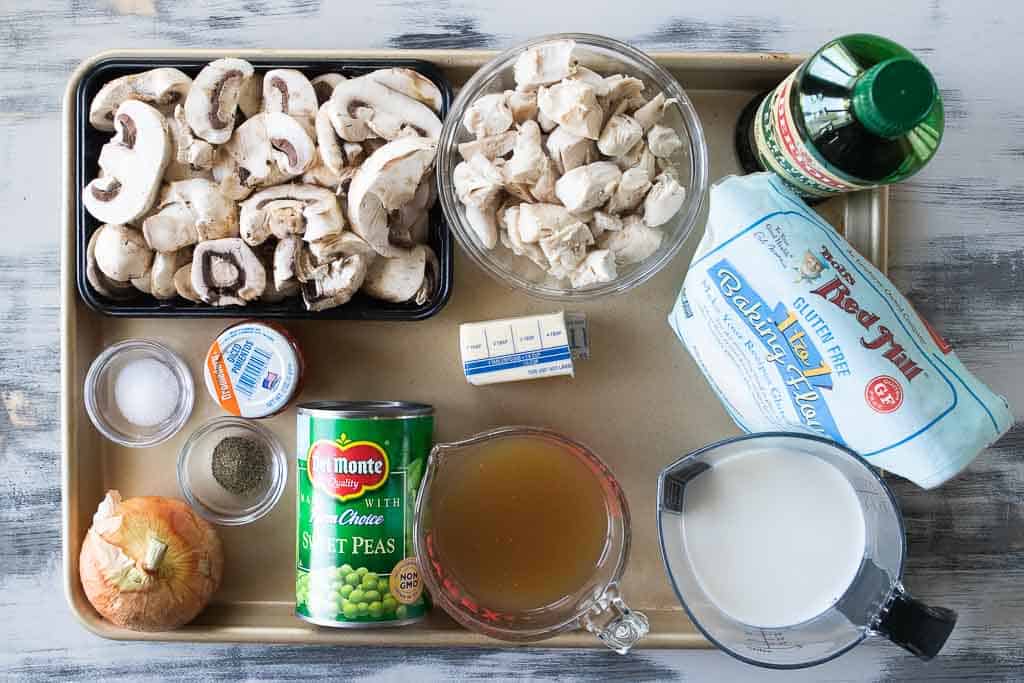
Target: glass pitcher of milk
787 550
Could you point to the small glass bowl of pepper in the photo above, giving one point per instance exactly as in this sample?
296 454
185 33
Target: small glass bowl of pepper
232 471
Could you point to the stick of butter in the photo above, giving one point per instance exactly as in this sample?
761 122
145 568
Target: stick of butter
515 349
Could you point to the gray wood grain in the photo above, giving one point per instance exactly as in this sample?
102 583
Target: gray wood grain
957 249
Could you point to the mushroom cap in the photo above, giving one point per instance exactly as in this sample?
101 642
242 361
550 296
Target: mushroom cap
265 150
573 105
330 145
336 284
324 84
588 187
410 83
288 91
183 284
213 98
121 252
292 209
569 150
410 275
165 266
131 164
227 272
663 141
346 244
162 88
191 157
190 211
488 115
546 63
108 287
361 107
387 180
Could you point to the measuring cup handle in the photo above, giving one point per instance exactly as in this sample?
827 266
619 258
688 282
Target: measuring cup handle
611 620
915 626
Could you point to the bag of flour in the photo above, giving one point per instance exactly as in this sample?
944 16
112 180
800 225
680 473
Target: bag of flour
796 331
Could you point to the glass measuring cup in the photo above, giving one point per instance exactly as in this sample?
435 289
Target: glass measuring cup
875 602
595 605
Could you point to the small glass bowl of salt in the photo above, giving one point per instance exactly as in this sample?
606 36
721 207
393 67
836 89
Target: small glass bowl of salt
138 393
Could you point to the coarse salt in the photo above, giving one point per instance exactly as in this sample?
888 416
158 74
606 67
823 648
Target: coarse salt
146 392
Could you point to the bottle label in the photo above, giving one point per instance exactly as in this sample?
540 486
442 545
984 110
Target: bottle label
782 150
252 370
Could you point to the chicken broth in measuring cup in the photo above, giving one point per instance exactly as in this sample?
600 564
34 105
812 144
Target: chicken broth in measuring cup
522 524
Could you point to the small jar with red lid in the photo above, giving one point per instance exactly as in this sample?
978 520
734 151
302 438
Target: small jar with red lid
254 369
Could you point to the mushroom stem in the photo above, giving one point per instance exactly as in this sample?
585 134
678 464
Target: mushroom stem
155 550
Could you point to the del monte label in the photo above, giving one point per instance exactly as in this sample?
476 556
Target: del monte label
347 469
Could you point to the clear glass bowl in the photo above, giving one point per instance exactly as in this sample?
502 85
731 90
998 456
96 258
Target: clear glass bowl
607 57
209 498
101 403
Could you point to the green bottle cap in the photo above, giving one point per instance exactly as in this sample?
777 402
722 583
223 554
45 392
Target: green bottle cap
893 96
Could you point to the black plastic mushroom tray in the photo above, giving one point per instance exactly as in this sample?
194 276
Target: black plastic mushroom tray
89 140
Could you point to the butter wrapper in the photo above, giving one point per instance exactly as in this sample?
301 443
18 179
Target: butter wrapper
515 349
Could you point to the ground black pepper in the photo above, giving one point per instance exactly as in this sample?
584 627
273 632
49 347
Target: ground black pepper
239 464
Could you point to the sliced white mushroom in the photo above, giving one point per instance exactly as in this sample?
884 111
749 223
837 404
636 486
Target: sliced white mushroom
522 104
489 147
546 63
227 272
106 286
191 157
573 105
409 276
411 223
632 187
336 285
602 222
122 253
213 98
291 209
190 211
597 267
346 244
161 275
569 150
293 261
652 112
183 284
387 179
324 84
477 181
265 150
318 174
663 201
619 135
328 143
360 108
162 88
131 165
528 160
663 141
288 91
487 116
250 97
536 221
546 123
566 247
588 187
410 83
633 243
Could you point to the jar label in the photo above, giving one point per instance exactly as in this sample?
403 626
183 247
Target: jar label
251 370
782 150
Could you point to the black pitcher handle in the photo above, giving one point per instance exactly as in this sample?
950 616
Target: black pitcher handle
915 626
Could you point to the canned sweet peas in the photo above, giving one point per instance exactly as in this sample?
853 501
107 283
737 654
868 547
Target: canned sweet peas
359 467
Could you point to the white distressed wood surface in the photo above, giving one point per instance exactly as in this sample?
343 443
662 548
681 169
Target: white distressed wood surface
957 249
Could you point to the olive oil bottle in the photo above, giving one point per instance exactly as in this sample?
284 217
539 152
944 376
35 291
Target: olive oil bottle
861 112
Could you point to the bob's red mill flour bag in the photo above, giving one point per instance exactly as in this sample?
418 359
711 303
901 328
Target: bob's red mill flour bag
796 331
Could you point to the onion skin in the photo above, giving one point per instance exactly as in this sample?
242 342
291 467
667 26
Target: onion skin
149 563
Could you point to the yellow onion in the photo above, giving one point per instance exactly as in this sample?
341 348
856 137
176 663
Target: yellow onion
149 563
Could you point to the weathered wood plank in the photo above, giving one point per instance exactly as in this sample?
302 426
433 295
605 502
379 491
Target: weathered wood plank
957 244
